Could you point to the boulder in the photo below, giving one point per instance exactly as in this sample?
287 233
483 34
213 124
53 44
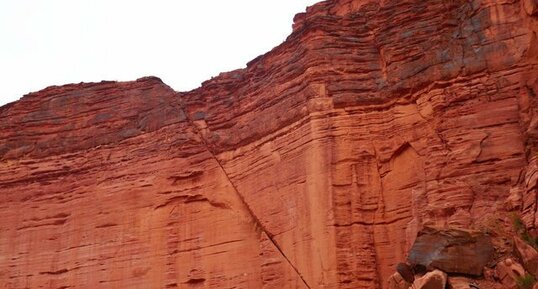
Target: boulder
432 280
452 250
396 281
459 283
507 271
406 272
528 256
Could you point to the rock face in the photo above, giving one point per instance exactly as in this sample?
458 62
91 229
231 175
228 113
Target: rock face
396 281
528 255
459 283
452 251
314 167
432 280
508 271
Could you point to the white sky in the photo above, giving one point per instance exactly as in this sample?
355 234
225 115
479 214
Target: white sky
54 42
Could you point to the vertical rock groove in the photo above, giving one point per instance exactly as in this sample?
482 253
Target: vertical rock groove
241 198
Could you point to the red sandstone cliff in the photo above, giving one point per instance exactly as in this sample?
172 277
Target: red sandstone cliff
314 167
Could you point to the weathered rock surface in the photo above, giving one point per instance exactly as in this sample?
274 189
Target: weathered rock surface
459 283
141 205
528 255
432 280
508 271
314 167
452 250
396 281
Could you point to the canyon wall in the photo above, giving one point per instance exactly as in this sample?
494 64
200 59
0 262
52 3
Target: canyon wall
313 167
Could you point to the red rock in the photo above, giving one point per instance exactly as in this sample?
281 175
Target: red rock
531 6
432 280
528 255
396 281
508 271
452 250
459 283
513 202
313 167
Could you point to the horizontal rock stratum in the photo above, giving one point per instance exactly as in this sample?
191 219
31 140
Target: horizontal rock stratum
314 167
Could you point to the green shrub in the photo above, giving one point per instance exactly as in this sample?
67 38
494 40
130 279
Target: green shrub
521 230
529 239
518 223
526 281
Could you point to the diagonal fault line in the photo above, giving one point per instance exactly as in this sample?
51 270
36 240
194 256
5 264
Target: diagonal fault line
241 198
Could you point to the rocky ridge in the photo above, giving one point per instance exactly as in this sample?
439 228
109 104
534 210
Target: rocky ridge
314 167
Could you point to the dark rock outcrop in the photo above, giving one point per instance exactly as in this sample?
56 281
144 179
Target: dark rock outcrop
406 272
452 250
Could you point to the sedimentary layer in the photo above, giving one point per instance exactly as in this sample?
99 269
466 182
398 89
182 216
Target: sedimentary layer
314 167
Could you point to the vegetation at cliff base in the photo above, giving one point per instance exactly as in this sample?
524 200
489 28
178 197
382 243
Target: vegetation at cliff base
525 282
522 231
